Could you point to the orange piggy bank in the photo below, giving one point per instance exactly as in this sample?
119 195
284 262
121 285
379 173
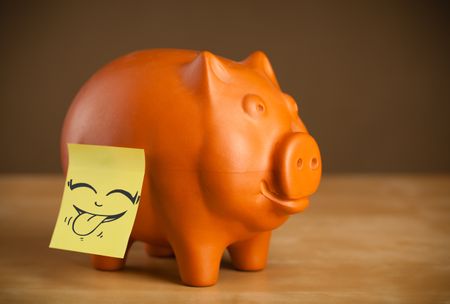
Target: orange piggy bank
227 157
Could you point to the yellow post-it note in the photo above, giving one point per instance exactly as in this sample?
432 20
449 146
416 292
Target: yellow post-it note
100 200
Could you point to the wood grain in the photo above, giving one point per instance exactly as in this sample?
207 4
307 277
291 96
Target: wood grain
364 239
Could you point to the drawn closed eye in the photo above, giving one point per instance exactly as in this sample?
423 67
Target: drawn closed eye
134 199
73 186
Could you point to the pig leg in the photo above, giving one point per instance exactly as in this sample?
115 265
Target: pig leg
199 264
251 254
159 251
106 263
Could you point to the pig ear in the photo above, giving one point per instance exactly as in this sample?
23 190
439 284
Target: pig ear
259 61
205 71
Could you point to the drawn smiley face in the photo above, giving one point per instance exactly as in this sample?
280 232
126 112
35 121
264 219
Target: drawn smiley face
88 219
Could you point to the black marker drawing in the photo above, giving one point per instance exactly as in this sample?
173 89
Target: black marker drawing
68 222
85 222
134 199
73 186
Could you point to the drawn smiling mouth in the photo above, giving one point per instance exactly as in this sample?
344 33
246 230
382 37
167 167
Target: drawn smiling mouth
86 222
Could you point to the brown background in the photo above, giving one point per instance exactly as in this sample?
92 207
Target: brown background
371 77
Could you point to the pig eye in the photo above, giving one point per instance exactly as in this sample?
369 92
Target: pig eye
253 105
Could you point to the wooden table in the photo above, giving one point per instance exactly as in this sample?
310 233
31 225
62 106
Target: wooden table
365 239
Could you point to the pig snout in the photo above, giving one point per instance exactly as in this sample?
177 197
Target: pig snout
298 166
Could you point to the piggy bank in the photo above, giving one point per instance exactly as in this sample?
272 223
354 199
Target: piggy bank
227 157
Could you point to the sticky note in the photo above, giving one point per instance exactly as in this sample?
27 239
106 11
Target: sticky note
100 200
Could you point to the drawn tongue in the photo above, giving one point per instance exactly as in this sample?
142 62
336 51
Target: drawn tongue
86 223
